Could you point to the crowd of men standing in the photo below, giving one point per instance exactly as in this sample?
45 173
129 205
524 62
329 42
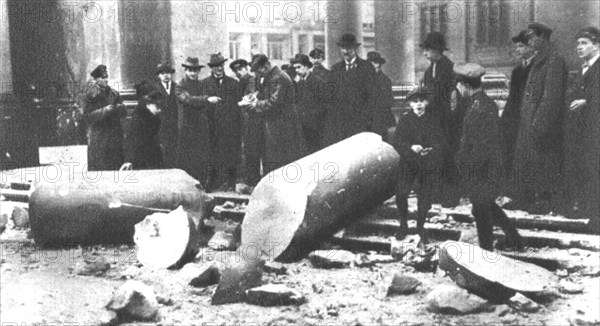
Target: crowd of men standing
222 129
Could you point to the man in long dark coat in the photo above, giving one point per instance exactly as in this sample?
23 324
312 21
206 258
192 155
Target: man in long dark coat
480 157
145 151
439 77
351 111
539 151
509 121
383 119
169 115
193 147
275 102
253 146
311 102
225 124
582 133
103 110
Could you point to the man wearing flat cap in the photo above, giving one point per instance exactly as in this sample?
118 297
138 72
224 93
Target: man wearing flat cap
221 95
283 142
509 121
480 157
193 148
439 77
169 116
383 119
539 148
582 132
311 101
352 102
103 110
317 56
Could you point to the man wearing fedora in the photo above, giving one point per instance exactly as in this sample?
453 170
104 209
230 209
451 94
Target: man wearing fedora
103 110
538 154
222 93
310 100
283 141
439 77
193 147
383 119
352 100
169 128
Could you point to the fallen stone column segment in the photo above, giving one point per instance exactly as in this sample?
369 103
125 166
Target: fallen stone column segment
491 275
296 206
104 206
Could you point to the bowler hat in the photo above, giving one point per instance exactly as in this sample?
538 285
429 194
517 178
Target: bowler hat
374 56
521 37
216 59
348 40
540 28
100 72
301 59
469 72
591 33
434 41
192 63
164 68
237 64
317 53
258 60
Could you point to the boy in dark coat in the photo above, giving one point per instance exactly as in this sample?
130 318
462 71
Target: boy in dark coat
480 157
419 140
103 110
145 148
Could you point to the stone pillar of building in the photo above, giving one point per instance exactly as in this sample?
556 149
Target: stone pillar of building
245 46
395 38
198 28
342 16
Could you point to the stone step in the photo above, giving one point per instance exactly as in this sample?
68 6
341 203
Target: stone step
378 230
15 195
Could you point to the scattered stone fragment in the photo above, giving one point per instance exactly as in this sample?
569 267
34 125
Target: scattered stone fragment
503 310
523 303
95 267
274 295
469 236
20 217
134 300
364 260
593 271
222 241
209 276
107 318
439 219
164 300
228 204
581 318
403 284
275 268
450 299
423 260
562 273
331 258
3 222
399 248
235 279
569 287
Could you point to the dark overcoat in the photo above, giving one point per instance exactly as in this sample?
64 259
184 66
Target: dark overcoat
311 101
170 124
193 148
225 120
103 110
352 101
145 152
480 153
383 119
582 143
442 85
283 131
509 122
538 155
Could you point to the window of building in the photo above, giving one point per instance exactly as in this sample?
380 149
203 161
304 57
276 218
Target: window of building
319 42
303 44
275 46
234 45
434 17
493 18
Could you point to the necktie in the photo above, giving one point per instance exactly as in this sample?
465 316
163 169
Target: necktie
167 86
584 67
